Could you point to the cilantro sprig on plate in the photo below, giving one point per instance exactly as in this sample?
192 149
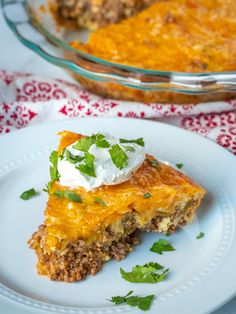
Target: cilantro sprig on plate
148 273
26 195
143 303
161 246
200 235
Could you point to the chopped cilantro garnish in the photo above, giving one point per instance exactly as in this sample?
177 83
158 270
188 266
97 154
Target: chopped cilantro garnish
118 156
53 168
148 273
62 154
84 143
147 195
70 195
26 195
47 187
100 141
143 303
161 246
72 158
138 141
128 148
118 300
154 163
59 193
200 235
100 201
54 174
87 167
179 166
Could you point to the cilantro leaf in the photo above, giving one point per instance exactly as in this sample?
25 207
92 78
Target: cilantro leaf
118 299
47 187
138 141
148 273
72 158
54 174
147 195
84 144
154 163
118 156
128 148
100 201
179 166
74 197
53 168
200 235
26 195
87 167
59 193
143 303
100 141
161 245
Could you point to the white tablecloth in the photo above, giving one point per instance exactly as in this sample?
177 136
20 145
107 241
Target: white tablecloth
15 57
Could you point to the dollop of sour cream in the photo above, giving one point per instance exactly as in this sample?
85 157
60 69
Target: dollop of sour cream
105 170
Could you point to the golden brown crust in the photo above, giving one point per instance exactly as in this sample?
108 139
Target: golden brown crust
171 35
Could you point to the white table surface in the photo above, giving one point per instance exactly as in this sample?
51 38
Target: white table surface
15 57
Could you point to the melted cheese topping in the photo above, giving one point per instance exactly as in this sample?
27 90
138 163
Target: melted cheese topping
171 35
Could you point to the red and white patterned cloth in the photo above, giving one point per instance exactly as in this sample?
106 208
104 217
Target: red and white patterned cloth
26 99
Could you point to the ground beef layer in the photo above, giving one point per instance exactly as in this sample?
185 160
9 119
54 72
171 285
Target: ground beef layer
77 260
93 14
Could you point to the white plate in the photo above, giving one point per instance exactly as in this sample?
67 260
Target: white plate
202 274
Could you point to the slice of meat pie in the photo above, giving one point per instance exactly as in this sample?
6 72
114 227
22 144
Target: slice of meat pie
102 190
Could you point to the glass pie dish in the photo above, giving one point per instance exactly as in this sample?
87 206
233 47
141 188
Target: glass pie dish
34 26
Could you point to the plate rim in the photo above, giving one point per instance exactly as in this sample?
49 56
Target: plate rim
124 119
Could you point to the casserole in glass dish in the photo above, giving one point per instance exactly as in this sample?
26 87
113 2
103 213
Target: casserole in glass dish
97 70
